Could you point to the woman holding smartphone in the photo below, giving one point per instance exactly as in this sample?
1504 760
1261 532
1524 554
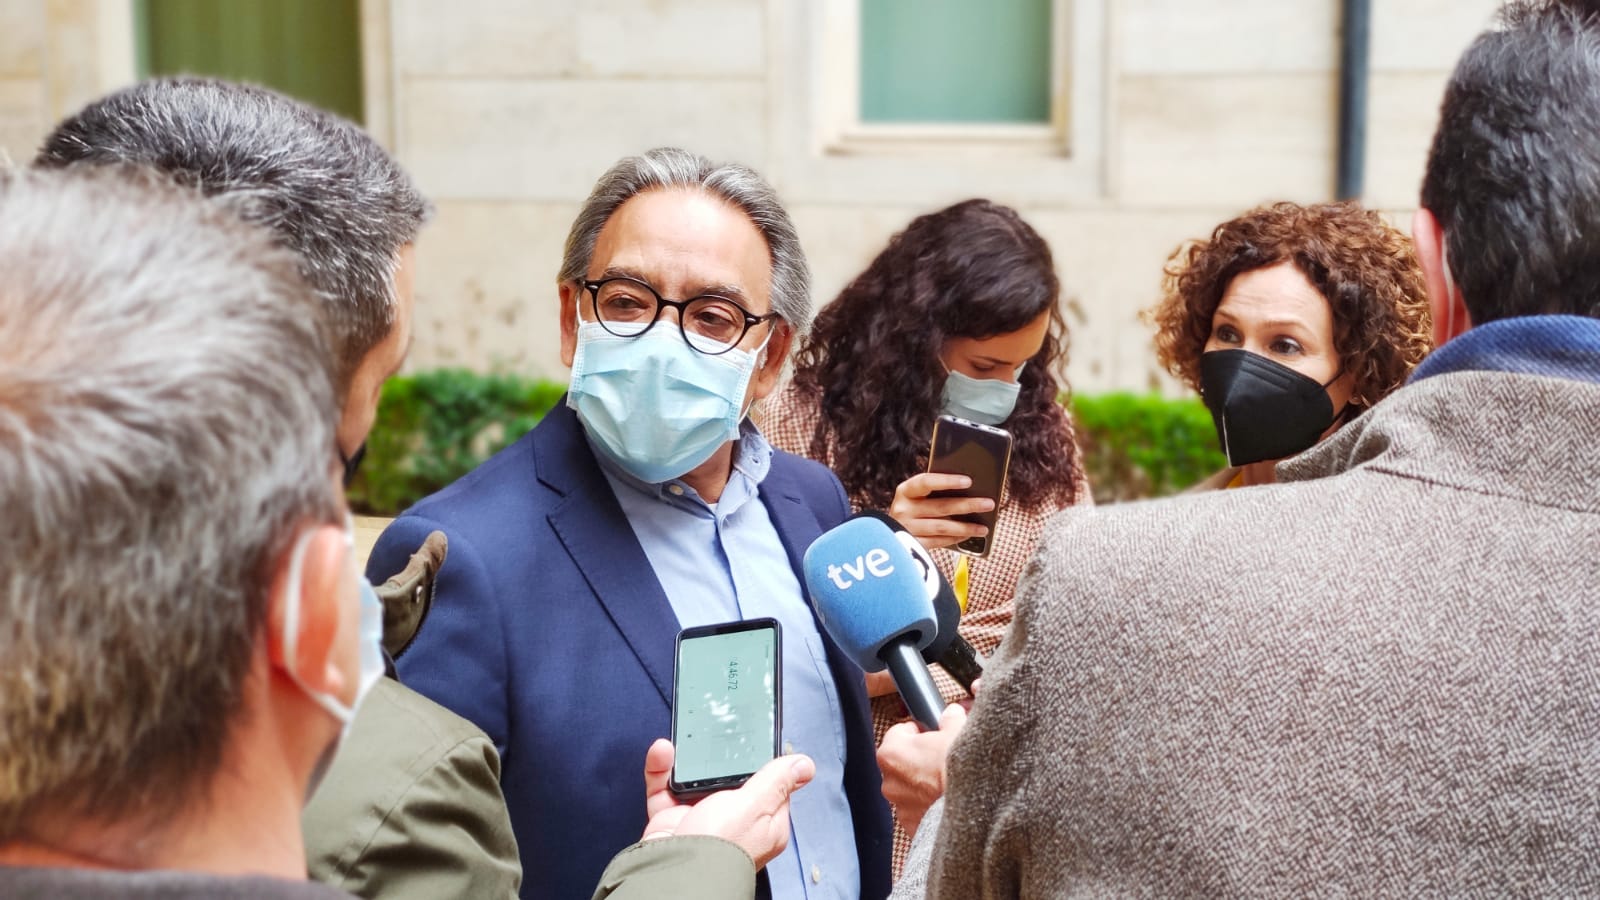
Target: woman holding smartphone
958 316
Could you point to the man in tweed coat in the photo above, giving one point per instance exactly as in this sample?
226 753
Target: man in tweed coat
1381 676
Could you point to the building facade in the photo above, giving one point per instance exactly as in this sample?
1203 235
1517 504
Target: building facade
1119 128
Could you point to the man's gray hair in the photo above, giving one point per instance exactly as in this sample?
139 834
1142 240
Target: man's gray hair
741 186
166 429
324 186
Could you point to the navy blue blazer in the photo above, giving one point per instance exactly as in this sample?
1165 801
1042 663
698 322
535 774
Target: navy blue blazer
551 632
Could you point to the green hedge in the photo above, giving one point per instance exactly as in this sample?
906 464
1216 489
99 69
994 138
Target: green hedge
1144 445
434 427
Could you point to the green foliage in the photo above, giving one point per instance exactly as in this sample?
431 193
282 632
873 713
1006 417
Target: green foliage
436 426
1144 445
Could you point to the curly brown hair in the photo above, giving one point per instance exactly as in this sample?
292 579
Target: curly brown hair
872 362
1364 267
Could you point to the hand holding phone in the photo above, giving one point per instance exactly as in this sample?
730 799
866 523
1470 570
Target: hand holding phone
982 453
726 704
922 506
754 815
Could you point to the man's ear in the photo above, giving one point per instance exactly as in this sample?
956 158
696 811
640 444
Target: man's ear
766 379
569 321
313 658
1444 297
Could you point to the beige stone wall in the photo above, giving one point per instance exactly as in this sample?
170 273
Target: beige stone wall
56 55
506 111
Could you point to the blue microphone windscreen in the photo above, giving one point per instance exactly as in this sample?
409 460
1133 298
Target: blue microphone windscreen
868 590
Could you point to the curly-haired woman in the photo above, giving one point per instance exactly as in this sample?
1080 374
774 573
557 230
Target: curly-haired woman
1290 321
957 315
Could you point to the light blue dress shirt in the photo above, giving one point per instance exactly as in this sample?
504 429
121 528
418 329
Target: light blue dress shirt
725 562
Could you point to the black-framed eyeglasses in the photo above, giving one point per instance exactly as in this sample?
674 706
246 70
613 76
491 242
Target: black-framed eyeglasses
627 307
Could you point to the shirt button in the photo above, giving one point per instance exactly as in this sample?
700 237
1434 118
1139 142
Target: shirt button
676 489
816 875
788 747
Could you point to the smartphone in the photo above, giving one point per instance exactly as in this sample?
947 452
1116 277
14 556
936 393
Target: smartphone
980 452
727 704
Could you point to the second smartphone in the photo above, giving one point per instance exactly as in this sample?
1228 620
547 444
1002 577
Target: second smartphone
980 452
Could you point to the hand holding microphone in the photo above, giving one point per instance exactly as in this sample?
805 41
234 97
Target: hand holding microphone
869 592
913 765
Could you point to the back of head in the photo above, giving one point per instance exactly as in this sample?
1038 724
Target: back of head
320 183
669 168
166 421
1514 173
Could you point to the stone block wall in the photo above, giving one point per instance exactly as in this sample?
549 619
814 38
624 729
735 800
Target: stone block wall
507 110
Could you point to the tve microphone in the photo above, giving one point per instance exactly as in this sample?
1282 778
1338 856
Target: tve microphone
868 591
949 649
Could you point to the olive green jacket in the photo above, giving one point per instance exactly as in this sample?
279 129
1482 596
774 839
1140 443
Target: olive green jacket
411 807
679 868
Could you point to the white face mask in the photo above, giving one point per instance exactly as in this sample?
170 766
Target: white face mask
654 405
369 635
989 401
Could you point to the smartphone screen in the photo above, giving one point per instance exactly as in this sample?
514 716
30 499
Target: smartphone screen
980 452
726 702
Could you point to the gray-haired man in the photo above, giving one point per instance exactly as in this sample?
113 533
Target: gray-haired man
648 503
180 626
413 807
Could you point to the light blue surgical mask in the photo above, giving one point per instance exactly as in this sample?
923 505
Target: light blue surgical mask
987 401
654 405
369 635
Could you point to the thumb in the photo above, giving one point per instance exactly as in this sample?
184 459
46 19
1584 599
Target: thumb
657 773
776 780
953 717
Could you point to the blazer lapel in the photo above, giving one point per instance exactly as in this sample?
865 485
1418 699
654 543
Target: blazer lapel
596 534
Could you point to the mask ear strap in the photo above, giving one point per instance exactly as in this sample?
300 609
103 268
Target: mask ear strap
291 600
760 353
1343 410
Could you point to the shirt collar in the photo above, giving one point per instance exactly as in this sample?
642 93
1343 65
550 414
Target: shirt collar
1554 346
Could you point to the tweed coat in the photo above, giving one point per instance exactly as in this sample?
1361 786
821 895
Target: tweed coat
1379 677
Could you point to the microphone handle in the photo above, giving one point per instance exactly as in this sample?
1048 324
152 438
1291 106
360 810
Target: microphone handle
963 663
914 682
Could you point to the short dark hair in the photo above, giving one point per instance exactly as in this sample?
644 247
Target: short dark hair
320 183
1514 173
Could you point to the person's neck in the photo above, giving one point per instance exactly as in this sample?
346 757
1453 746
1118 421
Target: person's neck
710 478
1258 473
246 821
257 842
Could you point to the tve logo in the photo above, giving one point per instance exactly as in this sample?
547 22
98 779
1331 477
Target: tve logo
867 590
874 562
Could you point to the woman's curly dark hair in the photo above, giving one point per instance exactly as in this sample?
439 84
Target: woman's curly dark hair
1365 268
972 270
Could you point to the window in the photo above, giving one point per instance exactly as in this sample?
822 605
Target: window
916 77
310 49
950 61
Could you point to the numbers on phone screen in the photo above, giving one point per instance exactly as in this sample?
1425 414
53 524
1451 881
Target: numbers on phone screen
726 719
